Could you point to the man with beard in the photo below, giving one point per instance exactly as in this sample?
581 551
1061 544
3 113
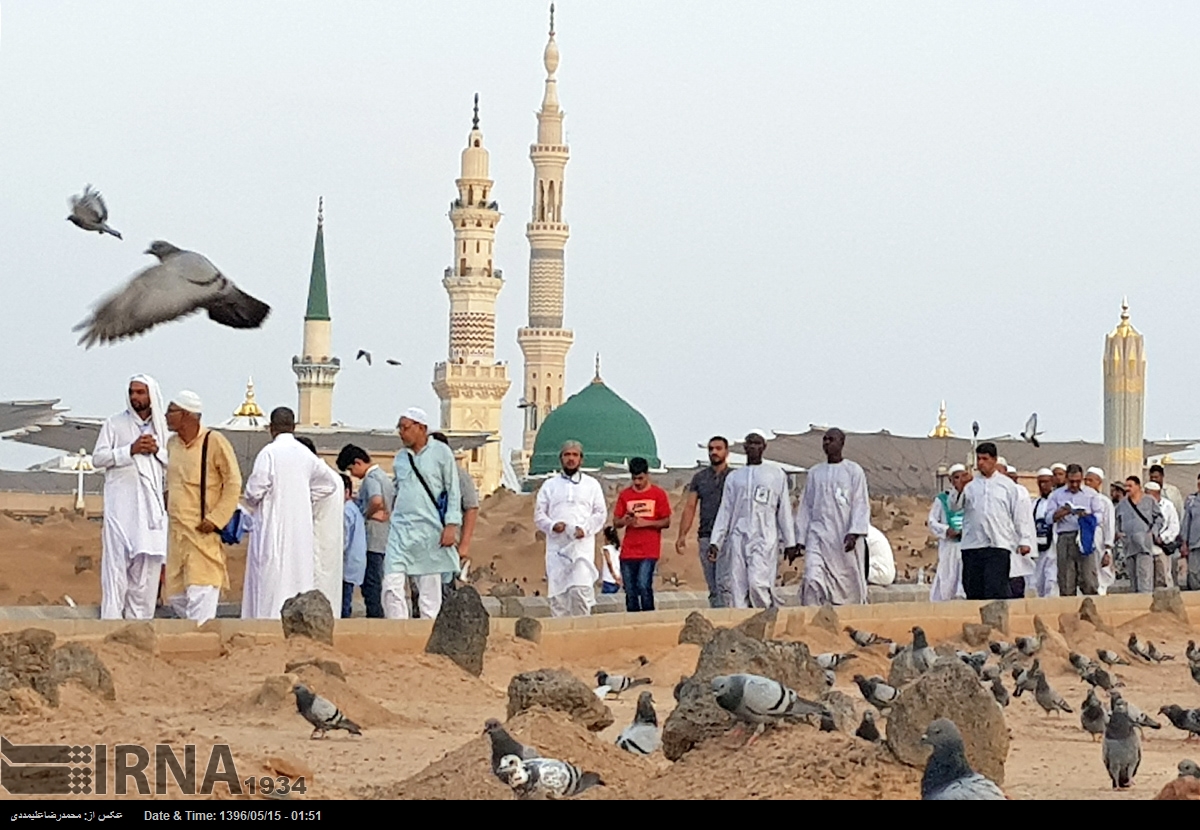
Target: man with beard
570 511
704 491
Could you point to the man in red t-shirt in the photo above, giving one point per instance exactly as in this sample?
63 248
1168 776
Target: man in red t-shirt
644 510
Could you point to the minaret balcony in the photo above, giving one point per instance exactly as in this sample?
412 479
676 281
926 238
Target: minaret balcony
497 273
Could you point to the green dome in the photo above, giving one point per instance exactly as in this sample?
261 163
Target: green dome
611 431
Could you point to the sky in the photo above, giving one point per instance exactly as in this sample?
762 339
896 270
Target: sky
782 213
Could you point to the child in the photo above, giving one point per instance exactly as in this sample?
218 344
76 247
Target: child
644 510
610 582
354 550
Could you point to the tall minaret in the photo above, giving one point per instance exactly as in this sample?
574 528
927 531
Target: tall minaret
545 342
315 369
471 384
1124 400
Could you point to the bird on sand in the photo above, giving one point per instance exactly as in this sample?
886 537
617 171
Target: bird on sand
1140 719
876 692
1195 670
1001 648
1156 655
1186 719
753 699
833 659
1047 698
182 283
1026 679
1093 717
89 212
999 692
641 737
1030 433
862 639
1192 652
1029 646
618 683
1121 749
546 777
1111 658
321 713
1189 769
1097 676
503 745
867 730
1137 649
948 775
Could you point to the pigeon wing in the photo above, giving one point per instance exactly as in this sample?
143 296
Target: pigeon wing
323 712
1031 426
973 787
156 295
639 738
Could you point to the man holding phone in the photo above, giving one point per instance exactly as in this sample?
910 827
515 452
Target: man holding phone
1075 511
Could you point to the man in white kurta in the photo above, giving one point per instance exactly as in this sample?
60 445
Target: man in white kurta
834 514
286 482
132 451
753 525
997 520
328 546
1045 568
570 511
1021 566
945 523
1093 479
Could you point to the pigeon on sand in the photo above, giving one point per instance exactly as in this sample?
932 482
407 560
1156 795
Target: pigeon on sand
1140 719
1047 698
545 777
867 730
1192 652
999 692
182 283
1156 655
1093 717
321 713
1137 649
1121 750
618 683
89 212
1186 719
876 692
641 737
833 659
1111 658
753 699
862 639
504 744
948 776
1026 679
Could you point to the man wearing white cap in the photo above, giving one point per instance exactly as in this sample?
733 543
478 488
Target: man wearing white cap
1166 542
945 523
1106 575
425 520
203 483
132 451
1059 471
1045 570
570 511
1077 512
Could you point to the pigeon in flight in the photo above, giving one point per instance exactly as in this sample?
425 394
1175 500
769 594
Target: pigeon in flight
641 737
1111 658
363 353
183 282
503 745
1186 719
751 698
862 639
948 775
546 777
618 683
89 212
1030 432
1122 747
321 713
392 362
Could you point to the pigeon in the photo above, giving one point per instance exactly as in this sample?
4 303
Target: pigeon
1122 746
601 691
832 659
876 692
1030 433
862 639
1097 676
975 661
182 283
830 678
363 353
948 776
989 673
641 737
1001 648
828 724
1195 669
618 683
867 730
1080 663
923 656
1047 698
1140 719
1093 717
751 698
1192 653
1188 769
503 745
89 212
548 777
1029 646
678 690
894 650
1156 655
1026 679
1111 658
321 713
1138 650
393 362
975 429
999 692
1186 719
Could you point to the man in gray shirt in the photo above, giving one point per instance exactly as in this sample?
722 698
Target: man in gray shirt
705 490
376 495
1189 534
1139 521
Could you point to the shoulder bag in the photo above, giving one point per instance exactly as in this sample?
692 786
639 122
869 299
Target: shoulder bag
233 532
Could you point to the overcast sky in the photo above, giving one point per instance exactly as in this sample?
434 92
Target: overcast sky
781 213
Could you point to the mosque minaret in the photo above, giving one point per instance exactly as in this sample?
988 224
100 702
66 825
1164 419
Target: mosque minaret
315 368
1124 400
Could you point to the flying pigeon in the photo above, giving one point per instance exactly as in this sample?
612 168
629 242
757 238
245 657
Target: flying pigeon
503 744
751 698
876 692
999 692
1048 699
182 283
1186 719
923 657
1137 649
1093 717
618 683
975 429
393 362
1122 746
1156 655
862 639
1140 719
1030 432
948 776
547 777
1111 658
641 737
1189 769
867 730
321 713
363 353
833 660
89 212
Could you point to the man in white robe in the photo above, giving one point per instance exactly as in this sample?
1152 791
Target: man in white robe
1045 568
753 524
286 482
945 523
132 451
328 544
834 513
997 521
1164 576
1106 575
570 511
1021 566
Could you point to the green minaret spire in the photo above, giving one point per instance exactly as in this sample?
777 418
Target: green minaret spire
318 294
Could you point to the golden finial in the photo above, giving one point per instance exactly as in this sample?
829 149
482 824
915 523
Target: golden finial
320 211
942 430
475 120
596 379
249 407
1124 328
551 20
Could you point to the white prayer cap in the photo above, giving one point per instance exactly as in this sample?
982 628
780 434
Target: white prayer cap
759 432
1001 462
416 414
1095 471
1152 487
1010 468
188 401
957 468
1058 465
1045 471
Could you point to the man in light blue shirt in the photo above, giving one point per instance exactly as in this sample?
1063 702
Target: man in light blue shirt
1066 506
354 550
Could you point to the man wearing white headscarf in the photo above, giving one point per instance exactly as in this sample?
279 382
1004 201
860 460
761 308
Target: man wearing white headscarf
1093 479
1045 573
945 523
132 451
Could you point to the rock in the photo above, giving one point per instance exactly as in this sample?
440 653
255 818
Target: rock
460 631
976 634
506 589
697 717
697 630
795 624
762 625
140 635
527 628
241 640
827 619
274 691
289 766
1180 789
841 706
995 614
1073 628
75 661
1089 612
901 670
1169 601
330 667
83 563
950 690
36 598
560 690
308 615
1052 642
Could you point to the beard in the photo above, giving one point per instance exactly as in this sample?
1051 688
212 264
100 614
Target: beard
142 409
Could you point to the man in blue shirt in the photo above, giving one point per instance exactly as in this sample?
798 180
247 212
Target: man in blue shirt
354 552
376 496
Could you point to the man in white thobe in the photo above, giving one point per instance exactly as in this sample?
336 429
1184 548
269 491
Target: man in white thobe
286 482
753 524
570 511
1020 566
328 544
1045 569
1106 574
945 523
834 514
132 451
1164 576
997 521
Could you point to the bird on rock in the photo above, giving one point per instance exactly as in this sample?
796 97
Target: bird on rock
89 212
862 639
753 699
1121 749
1093 717
867 730
546 777
1111 658
1047 698
1156 655
504 744
999 692
641 737
833 659
948 776
618 683
1137 649
876 692
182 283
923 656
321 713
1186 719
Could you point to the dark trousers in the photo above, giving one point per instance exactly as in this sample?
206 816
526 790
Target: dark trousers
347 599
985 573
372 587
638 576
1016 587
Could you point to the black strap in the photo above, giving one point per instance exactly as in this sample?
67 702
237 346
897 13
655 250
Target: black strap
1149 524
412 462
204 474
